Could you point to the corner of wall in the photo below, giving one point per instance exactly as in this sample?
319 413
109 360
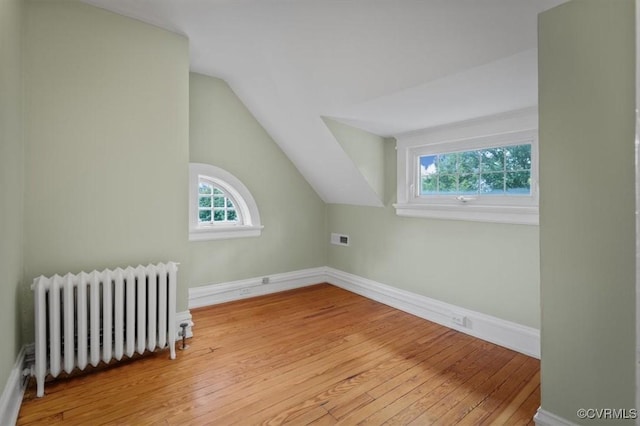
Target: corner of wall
12 29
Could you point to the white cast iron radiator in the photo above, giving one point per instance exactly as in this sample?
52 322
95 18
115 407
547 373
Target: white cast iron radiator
87 318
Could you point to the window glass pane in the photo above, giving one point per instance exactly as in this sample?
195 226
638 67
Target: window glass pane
518 183
229 203
429 184
448 183
428 165
469 184
218 201
492 159
204 202
217 191
203 188
469 162
218 215
428 174
517 157
205 215
231 215
448 163
492 183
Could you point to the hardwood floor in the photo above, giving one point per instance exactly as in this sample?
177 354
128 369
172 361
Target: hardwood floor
318 355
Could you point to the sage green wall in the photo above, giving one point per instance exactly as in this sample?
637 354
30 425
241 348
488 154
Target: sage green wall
225 134
485 267
107 143
587 237
365 149
11 182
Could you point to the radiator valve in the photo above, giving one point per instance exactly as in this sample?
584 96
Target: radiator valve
184 326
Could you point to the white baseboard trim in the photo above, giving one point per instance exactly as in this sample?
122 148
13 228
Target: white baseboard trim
501 332
545 418
214 294
11 397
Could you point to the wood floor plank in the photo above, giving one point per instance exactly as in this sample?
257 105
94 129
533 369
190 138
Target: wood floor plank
318 355
399 370
276 372
288 375
457 382
361 353
419 381
468 401
402 410
310 417
501 389
507 409
522 415
332 385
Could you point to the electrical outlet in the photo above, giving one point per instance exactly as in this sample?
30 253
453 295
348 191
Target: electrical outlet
265 280
245 291
459 319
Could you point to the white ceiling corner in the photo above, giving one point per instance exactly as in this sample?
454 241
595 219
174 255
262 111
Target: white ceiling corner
385 67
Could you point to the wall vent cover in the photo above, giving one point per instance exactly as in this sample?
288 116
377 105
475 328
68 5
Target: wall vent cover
339 239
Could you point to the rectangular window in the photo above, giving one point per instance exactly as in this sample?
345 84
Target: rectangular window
486 171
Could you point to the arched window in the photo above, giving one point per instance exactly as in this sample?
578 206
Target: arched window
220 206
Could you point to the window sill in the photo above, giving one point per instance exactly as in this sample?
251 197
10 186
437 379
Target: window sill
520 215
225 232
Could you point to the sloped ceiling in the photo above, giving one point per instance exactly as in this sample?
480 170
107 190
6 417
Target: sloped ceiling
387 67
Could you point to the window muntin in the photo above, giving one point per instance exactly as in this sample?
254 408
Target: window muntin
215 206
501 170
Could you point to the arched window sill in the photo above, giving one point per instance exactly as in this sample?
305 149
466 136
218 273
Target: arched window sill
224 232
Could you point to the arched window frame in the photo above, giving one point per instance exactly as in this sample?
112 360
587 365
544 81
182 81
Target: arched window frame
248 224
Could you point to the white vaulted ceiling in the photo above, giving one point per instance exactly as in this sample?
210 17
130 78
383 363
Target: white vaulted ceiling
386 66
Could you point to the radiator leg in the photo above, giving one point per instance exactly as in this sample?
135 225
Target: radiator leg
40 367
173 271
172 346
40 387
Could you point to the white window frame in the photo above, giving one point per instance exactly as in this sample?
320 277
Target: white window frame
516 128
248 225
